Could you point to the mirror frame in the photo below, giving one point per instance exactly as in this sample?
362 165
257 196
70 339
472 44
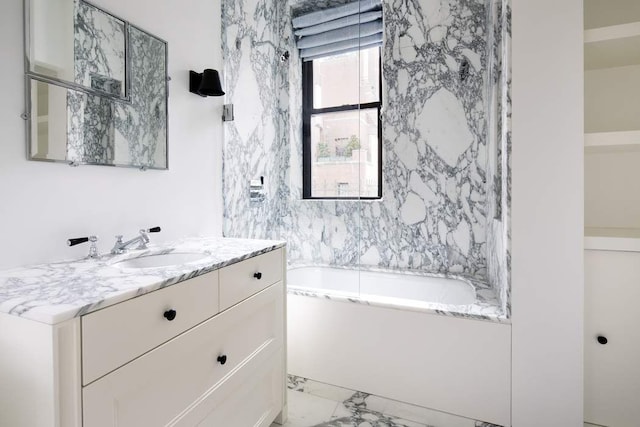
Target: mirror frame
30 75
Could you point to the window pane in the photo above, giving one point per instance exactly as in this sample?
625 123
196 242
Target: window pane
344 154
336 79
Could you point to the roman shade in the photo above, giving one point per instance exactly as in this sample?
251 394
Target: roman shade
341 29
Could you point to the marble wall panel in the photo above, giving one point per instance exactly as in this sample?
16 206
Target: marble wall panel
254 141
499 223
439 195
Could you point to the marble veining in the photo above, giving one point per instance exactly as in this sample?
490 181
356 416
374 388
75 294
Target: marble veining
499 225
301 7
442 186
131 131
356 408
142 124
53 293
99 48
90 128
434 136
99 63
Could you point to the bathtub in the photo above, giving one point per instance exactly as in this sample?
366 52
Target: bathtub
382 287
437 342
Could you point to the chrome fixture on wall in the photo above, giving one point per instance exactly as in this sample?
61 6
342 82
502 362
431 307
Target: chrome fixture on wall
227 113
256 190
206 83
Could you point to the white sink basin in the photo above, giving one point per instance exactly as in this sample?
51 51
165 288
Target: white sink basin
162 260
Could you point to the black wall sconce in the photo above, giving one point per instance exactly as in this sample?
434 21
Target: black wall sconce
206 83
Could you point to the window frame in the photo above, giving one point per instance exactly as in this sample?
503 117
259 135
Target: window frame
308 111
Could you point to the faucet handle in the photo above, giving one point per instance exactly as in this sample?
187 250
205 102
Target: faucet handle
144 239
77 241
93 250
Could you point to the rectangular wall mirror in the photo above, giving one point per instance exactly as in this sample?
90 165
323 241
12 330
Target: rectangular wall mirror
96 87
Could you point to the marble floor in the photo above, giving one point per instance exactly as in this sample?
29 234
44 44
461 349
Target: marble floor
314 404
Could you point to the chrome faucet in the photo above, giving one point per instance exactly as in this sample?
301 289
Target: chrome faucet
121 247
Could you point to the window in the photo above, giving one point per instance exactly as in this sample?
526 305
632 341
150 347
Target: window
342 133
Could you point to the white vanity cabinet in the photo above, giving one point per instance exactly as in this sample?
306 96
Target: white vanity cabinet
172 357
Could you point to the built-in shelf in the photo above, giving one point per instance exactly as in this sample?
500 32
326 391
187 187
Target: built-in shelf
43 119
613 46
613 32
612 239
603 13
622 141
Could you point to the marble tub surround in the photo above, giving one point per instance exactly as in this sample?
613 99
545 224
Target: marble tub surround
317 404
499 140
434 126
53 293
440 192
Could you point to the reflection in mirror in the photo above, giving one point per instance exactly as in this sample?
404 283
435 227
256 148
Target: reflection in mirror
87 120
143 123
79 127
75 42
99 50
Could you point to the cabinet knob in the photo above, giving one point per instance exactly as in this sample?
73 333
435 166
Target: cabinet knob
257 275
170 315
222 359
602 339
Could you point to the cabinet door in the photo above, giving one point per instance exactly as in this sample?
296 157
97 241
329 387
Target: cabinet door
245 278
612 370
161 385
252 397
118 334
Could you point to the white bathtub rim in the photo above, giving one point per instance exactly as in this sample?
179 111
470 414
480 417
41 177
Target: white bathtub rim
486 307
366 294
473 282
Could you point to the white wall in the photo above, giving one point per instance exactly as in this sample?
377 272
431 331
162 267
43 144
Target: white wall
612 98
42 204
612 188
547 227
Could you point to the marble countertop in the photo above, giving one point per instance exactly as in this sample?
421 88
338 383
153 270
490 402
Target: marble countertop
53 293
